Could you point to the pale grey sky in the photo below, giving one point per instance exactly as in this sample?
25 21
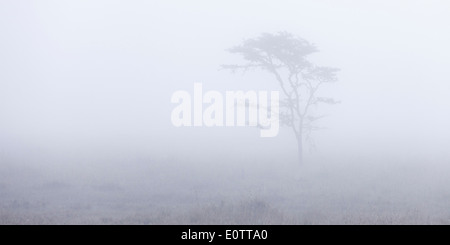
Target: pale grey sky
97 75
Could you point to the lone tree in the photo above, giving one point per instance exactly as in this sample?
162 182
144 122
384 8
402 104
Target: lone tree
285 57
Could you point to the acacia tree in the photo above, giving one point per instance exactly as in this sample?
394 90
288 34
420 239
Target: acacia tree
285 57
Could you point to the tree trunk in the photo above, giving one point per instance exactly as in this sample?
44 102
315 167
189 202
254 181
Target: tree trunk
300 149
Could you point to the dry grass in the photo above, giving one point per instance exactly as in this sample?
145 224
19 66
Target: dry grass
228 192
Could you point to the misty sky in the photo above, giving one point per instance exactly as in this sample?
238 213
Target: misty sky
97 76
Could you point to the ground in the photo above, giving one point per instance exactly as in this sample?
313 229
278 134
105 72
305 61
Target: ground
229 191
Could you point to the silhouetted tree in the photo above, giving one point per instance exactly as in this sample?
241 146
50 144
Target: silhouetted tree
285 57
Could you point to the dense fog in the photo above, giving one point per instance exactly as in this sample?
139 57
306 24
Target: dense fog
86 135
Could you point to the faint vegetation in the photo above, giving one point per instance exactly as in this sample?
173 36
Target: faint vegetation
338 193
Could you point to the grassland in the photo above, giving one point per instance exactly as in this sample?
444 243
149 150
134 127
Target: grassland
228 191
